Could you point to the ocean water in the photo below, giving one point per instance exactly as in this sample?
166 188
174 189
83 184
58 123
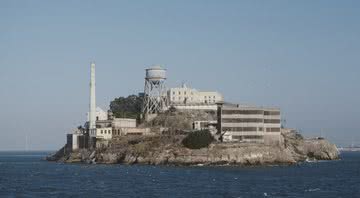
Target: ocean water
26 174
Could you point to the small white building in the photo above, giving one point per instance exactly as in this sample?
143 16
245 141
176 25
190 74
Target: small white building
104 133
123 123
106 129
204 124
186 95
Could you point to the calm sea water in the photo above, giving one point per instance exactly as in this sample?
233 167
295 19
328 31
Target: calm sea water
26 174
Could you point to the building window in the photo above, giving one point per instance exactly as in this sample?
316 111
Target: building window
272 129
272 121
101 131
173 92
242 120
179 93
240 129
243 112
271 112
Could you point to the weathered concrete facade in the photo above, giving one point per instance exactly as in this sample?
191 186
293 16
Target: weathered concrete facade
130 131
186 95
249 124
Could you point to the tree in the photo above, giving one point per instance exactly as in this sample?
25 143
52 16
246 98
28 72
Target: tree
129 107
198 139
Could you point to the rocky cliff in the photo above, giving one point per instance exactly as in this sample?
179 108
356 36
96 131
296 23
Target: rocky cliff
168 150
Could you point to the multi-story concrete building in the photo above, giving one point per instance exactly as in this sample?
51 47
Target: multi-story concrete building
249 124
186 95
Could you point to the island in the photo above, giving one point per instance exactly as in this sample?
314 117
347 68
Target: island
184 126
169 149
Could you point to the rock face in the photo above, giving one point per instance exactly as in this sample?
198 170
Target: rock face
168 150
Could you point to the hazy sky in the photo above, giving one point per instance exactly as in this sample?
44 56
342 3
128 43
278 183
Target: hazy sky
301 56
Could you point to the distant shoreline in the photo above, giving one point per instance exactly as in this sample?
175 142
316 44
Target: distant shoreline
348 149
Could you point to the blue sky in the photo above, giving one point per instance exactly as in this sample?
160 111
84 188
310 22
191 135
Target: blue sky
301 56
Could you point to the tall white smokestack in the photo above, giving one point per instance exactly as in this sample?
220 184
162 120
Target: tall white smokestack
92 112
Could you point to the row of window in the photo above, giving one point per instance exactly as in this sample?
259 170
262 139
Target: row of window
251 112
250 129
191 99
180 98
244 112
105 131
271 112
238 120
239 129
209 101
191 93
247 137
272 129
272 121
252 120
114 132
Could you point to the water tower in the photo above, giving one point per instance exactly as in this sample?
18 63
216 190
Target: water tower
155 99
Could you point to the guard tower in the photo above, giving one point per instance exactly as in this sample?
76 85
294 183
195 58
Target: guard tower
155 99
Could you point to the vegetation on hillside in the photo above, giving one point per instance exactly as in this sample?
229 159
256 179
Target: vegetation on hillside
198 139
180 120
127 107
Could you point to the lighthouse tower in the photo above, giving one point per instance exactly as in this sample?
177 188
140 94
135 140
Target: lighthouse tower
92 110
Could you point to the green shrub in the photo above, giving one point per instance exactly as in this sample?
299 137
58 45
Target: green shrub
198 139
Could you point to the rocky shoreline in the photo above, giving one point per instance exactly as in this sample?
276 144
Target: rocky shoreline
168 150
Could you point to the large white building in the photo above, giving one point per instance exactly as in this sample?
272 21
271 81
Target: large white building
249 124
185 95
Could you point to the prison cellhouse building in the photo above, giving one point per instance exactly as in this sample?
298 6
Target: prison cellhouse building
241 123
